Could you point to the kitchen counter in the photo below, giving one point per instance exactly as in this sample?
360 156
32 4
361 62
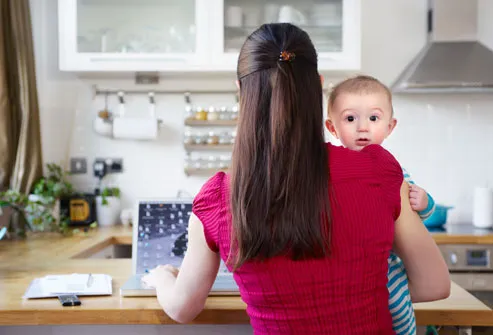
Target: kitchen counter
42 254
462 234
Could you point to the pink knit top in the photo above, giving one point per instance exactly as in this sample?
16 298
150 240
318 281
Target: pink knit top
344 293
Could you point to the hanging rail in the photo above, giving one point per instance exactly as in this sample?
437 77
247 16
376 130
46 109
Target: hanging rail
120 92
101 91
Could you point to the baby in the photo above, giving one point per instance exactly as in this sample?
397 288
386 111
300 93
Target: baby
360 113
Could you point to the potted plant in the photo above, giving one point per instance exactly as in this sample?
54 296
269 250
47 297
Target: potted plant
24 214
108 206
40 210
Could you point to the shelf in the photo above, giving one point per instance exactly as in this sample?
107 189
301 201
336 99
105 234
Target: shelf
247 30
207 147
203 171
326 38
217 123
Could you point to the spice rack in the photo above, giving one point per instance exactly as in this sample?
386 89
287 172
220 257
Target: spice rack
211 132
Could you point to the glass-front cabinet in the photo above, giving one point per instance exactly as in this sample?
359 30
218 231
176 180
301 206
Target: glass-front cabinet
333 25
196 35
132 35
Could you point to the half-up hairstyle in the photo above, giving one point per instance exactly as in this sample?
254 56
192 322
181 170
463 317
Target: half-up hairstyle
279 174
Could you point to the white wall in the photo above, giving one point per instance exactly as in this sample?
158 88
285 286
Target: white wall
441 139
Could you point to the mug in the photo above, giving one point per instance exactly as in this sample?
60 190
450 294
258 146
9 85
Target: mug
291 15
234 16
271 13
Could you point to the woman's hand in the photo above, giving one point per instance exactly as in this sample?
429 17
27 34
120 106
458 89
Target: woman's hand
161 275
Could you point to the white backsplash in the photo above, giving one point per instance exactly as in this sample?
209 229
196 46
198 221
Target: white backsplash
443 140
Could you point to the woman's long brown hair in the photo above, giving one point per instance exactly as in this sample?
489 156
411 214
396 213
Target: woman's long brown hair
279 173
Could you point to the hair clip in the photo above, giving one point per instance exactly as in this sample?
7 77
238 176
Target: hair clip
286 56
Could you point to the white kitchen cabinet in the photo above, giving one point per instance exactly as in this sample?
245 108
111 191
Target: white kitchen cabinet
196 35
333 25
132 35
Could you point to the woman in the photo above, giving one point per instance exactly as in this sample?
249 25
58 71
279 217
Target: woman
305 226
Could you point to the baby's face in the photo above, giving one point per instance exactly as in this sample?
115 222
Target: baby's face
358 120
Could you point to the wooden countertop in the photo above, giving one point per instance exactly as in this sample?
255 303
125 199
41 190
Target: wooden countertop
446 238
22 261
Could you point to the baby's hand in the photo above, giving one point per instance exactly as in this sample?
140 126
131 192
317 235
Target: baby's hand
418 198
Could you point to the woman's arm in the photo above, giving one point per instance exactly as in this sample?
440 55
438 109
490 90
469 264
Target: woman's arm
425 267
182 295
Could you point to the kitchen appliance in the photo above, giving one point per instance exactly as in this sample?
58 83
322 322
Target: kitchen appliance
471 267
80 209
458 55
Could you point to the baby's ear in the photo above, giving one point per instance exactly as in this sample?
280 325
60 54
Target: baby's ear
392 125
330 127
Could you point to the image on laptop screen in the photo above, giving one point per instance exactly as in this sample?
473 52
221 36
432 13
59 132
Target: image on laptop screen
162 234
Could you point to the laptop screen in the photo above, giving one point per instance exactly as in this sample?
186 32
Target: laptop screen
160 233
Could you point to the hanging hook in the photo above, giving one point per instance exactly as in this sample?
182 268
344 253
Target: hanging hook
188 104
121 99
188 98
152 105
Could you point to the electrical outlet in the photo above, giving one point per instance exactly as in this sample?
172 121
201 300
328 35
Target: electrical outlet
78 165
113 165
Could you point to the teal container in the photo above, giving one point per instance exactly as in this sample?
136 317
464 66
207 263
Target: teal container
438 218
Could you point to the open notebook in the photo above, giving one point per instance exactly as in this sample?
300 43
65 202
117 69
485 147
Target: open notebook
76 283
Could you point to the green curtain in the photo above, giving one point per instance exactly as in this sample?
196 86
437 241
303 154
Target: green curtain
20 139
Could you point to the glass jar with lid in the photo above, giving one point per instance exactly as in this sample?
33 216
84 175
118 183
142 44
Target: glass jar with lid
234 112
223 113
189 112
187 163
224 138
200 114
213 114
224 162
213 138
200 138
196 163
212 162
188 138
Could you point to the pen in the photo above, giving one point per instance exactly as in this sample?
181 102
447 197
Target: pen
89 280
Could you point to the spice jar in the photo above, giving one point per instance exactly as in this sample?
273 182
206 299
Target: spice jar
224 138
187 163
212 162
224 162
200 138
213 138
196 162
200 114
188 112
213 114
234 113
188 138
223 113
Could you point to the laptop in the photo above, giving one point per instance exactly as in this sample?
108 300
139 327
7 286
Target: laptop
160 236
